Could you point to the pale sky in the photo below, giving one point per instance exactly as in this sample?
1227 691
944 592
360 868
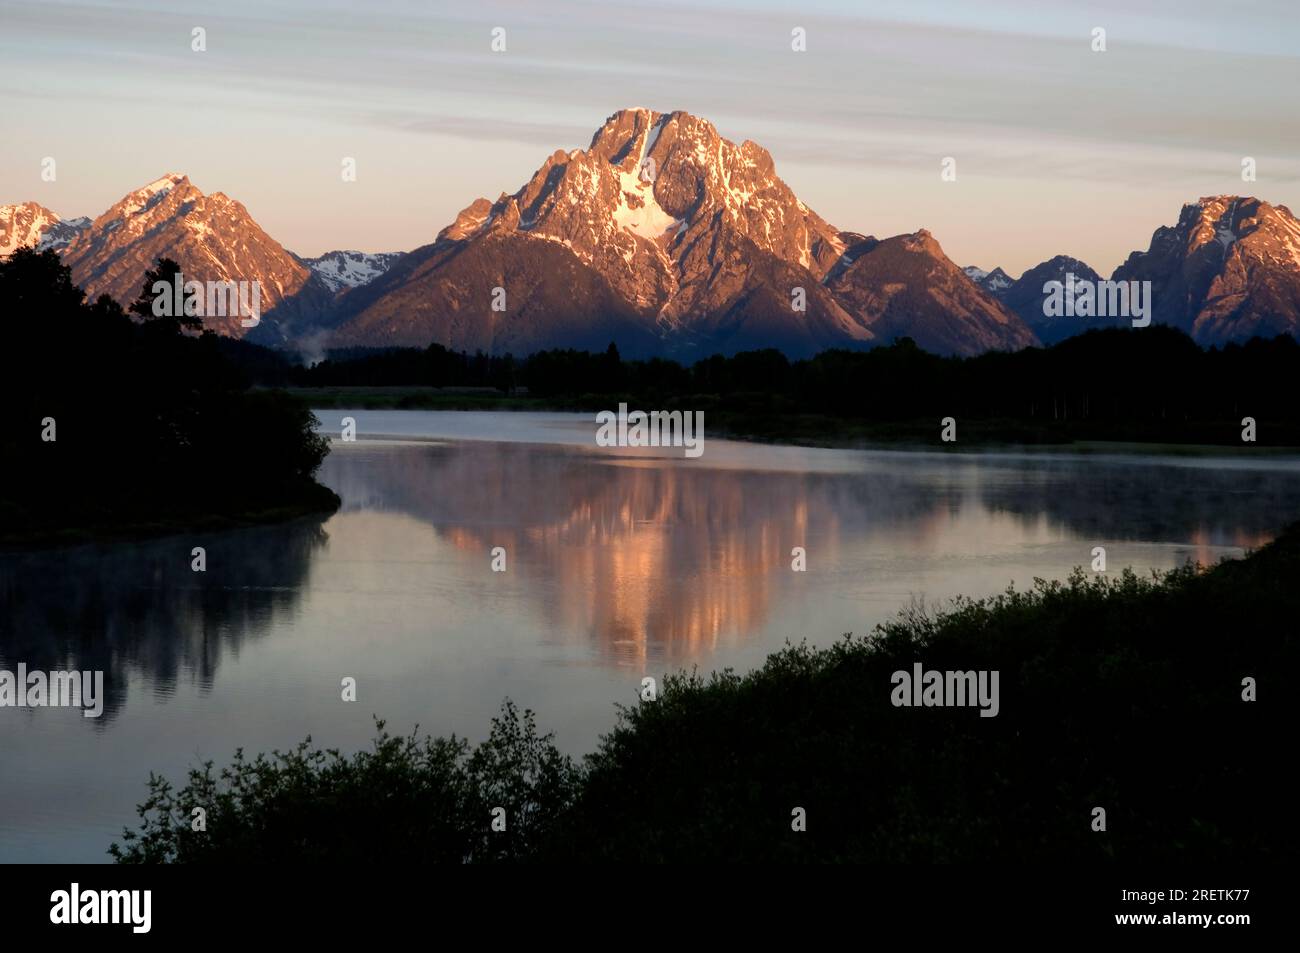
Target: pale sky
1059 149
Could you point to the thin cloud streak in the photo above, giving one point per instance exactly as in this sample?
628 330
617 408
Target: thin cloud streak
1012 89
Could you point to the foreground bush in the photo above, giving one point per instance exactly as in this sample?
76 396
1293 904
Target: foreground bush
1123 693
406 799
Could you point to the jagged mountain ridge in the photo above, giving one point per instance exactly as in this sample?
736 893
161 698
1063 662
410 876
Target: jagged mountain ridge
907 287
669 239
212 237
994 282
350 269
30 223
1228 270
1026 298
682 242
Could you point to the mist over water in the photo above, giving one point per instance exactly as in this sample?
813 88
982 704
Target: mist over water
620 563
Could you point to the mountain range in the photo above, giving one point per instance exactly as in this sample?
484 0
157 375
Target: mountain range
667 239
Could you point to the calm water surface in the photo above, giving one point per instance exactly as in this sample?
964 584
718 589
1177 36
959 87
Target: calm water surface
619 564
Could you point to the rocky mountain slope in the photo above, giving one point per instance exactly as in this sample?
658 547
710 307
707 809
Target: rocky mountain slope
212 237
668 238
906 286
32 224
1229 269
1026 297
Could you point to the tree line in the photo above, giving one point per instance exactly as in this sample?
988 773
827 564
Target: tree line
1103 382
122 421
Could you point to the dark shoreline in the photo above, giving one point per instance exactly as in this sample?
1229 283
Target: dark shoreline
788 429
758 425
316 500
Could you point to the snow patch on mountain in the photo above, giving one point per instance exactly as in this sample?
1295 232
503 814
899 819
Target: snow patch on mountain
638 211
350 269
995 282
145 196
30 223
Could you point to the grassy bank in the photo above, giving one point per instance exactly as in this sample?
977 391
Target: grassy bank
1117 692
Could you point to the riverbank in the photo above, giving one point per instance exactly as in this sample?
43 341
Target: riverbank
756 423
1137 718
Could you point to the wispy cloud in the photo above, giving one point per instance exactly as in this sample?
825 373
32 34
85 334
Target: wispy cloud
1011 88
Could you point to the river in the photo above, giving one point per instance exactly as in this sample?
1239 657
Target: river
618 564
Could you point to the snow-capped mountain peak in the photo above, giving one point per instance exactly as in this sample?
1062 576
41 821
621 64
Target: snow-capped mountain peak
30 223
212 237
631 203
994 282
660 234
145 196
